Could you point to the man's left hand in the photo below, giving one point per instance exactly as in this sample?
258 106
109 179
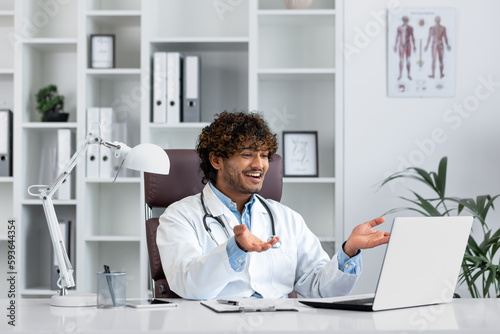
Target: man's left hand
364 236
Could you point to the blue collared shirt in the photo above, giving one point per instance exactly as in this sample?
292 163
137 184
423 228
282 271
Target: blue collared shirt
237 257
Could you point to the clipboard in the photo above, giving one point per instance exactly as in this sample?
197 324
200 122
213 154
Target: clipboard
250 305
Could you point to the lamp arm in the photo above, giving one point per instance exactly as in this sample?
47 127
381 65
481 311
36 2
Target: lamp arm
45 193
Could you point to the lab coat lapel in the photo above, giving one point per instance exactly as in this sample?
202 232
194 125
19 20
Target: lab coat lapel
217 209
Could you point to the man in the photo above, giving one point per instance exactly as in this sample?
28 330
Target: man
241 261
437 34
404 41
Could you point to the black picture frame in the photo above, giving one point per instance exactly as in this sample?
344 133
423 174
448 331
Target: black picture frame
300 154
102 51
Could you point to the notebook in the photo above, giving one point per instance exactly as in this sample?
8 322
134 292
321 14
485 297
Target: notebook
421 266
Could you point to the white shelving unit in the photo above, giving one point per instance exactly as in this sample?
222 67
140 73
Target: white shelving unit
293 77
112 212
255 55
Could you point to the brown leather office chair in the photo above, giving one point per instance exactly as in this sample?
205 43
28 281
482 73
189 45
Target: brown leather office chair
185 180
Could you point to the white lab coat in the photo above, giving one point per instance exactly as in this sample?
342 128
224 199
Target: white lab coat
196 268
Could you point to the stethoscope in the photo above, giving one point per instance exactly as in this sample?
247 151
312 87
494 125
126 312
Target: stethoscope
221 223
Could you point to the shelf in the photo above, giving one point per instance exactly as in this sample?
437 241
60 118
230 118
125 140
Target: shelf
8 71
302 18
49 125
296 71
110 180
55 201
278 5
182 125
296 12
40 291
107 13
6 179
113 6
112 22
52 44
4 13
201 44
113 238
296 74
325 180
115 73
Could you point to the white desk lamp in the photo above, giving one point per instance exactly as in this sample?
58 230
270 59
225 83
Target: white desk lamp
143 157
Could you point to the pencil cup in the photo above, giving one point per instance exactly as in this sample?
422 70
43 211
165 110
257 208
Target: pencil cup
111 289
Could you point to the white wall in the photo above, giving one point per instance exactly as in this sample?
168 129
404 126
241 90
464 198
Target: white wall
381 132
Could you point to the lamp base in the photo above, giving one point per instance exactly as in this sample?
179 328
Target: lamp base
74 300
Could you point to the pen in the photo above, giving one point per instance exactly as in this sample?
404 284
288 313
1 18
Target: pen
110 284
225 301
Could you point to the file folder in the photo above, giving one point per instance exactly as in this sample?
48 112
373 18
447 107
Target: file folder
159 87
120 134
63 157
106 162
92 155
191 97
174 87
5 143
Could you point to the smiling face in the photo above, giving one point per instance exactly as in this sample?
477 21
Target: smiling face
242 174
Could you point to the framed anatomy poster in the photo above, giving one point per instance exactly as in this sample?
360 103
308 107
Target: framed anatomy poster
421 52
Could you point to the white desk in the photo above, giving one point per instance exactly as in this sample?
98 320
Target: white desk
464 315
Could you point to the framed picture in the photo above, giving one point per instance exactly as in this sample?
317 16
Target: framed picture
300 153
102 51
421 52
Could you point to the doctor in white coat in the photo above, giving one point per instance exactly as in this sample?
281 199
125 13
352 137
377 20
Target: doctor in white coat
243 258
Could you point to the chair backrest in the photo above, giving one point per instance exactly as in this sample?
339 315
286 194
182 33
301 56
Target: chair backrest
185 179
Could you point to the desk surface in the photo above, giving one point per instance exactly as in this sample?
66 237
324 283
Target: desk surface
464 315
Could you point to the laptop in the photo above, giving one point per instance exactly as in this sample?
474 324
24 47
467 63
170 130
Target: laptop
421 266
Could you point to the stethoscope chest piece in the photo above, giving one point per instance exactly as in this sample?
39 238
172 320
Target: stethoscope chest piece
276 245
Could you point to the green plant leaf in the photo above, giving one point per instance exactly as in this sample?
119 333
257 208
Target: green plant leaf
479 271
440 177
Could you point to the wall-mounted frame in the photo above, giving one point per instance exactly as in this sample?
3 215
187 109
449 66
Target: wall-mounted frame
300 153
421 52
102 51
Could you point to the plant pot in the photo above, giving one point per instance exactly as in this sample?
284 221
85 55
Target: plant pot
56 117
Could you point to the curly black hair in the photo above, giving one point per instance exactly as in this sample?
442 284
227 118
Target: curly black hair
226 135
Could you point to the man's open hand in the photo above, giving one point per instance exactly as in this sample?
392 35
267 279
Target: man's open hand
364 236
250 243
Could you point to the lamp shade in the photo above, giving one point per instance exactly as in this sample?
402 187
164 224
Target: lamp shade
148 158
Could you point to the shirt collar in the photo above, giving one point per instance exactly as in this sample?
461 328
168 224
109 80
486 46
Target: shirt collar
228 202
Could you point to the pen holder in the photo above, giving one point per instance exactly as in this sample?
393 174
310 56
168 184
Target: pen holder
111 289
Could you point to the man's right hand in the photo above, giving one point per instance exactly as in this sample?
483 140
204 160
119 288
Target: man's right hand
248 242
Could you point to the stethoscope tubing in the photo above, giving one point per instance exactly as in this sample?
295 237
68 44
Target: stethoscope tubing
221 223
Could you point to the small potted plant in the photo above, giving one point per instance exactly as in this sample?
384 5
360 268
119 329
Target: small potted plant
51 104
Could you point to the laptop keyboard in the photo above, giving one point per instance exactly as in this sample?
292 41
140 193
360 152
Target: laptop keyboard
362 301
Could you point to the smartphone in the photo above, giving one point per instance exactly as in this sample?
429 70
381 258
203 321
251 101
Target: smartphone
147 303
